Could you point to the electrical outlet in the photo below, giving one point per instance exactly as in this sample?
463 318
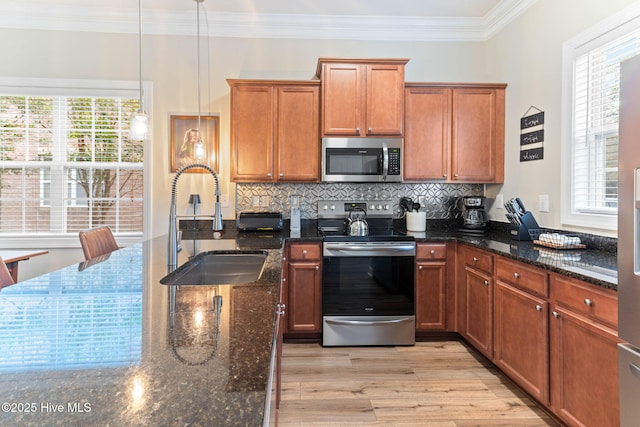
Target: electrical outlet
543 203
264 201
255 201
224 200
499 201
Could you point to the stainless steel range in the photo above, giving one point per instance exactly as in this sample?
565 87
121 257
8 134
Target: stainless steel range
367 280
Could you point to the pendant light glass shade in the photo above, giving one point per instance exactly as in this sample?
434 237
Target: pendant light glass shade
139 127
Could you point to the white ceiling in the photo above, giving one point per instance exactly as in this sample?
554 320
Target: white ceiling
473 20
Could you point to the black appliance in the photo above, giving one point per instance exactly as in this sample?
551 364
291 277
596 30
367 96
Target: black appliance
367 281
259 221
475 218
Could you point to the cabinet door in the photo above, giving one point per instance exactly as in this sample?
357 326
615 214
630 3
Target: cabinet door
521 339
343 87
479 311
252 133
477 146
584 371
304 310
385 100
427 134
430 295
298 139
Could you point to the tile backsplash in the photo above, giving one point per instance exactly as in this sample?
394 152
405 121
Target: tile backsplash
440 201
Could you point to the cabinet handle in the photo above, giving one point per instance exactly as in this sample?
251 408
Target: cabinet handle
455 174
433 252
281 174
588 302
555 314
475 259
304 252
358 130
284 258
486 282
269 175
419 267
538 307
317 267
369 130
284 279
516 275
444 175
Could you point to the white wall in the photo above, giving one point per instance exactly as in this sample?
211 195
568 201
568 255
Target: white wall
526 55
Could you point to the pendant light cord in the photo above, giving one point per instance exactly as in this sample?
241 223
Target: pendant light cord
140 49
198 46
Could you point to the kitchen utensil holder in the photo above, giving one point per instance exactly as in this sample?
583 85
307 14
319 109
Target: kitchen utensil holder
527 222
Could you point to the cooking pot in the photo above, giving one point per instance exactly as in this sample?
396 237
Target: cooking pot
357 224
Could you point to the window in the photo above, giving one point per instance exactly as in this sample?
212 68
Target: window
66 162
590 141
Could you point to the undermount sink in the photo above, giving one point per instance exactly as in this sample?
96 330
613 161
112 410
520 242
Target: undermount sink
218 268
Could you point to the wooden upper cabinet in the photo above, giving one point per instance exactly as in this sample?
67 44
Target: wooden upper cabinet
298 139
252 139
454 133
275 131
362 97
427 133
477 137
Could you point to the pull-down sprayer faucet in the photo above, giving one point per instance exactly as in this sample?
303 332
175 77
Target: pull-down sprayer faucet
173 225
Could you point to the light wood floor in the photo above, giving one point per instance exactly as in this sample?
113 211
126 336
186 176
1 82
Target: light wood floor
432 384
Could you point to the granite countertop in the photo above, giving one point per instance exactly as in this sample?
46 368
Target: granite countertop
101 344
104 343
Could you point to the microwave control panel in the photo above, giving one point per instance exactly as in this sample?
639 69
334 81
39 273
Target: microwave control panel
394 161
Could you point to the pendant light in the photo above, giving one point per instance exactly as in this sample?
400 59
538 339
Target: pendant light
139 126
199 151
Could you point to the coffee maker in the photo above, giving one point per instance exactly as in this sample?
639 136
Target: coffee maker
475 218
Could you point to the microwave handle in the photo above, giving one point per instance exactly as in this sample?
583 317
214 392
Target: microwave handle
385 161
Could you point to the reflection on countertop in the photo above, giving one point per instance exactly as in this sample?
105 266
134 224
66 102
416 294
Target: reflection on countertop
107 344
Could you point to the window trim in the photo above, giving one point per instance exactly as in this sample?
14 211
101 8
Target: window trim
80 87
605 31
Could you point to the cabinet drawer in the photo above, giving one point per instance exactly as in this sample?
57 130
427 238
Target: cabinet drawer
585 299
478 259
522 276
304 252
427 251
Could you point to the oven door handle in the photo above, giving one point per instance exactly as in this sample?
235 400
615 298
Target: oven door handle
367 322
365 249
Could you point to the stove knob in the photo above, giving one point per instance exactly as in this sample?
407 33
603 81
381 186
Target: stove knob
333 207
380 207
386 207
372 207
325 207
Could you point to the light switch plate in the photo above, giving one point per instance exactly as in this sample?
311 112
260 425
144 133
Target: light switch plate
543 203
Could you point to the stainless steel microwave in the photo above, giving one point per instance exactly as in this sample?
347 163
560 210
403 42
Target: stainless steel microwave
362 159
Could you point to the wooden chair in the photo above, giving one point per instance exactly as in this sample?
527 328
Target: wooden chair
5 275
97 241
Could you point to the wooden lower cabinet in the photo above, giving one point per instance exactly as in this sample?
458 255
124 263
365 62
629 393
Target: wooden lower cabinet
478 289
430 290
303 281
584 354
520 340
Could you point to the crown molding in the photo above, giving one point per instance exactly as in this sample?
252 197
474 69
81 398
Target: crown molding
15 15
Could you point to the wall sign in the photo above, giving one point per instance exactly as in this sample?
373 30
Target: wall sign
532 135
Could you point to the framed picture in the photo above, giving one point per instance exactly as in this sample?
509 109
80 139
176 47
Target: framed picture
184 135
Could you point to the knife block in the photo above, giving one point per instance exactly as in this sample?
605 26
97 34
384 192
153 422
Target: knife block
521 232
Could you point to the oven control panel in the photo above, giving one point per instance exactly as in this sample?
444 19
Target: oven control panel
341 208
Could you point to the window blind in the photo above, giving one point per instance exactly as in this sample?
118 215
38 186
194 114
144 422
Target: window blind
66 164
595 125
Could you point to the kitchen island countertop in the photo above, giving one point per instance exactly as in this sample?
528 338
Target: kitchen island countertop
107 344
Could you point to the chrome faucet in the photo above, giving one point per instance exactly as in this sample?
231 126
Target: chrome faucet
173 219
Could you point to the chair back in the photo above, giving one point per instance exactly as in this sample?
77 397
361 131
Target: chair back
5 275
97 241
